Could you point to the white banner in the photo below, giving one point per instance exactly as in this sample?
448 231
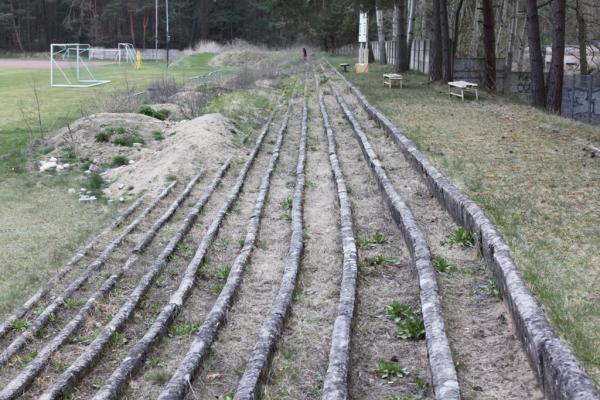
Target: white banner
363 27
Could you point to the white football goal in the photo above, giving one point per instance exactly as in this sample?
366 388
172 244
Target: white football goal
68 67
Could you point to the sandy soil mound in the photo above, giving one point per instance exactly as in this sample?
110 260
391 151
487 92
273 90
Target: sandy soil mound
163 149
203 142
174 110
81 135
238 57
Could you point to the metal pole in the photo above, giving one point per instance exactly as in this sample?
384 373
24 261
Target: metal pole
168 37
156 29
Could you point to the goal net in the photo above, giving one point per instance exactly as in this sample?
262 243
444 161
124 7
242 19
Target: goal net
68 67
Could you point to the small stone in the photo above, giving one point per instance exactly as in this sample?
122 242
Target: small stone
131 161
52 159
88 172
121 199
95 168
121 186
136 144
65 166
72 191
82 189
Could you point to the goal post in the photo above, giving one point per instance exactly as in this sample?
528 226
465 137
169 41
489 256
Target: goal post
78 74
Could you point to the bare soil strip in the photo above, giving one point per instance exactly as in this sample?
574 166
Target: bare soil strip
26 376
256 366
385 275
557 369
138 353
59 301
491 363
79 254
62 384
187 369
335 385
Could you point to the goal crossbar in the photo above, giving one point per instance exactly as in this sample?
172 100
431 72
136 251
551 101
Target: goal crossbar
64 51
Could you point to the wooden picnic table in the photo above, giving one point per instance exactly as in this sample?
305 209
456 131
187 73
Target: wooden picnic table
462 87
345 66
389 79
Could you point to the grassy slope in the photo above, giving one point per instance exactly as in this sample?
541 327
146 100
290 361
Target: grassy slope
525 168
40 223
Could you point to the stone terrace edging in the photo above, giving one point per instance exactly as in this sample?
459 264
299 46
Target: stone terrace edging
558 371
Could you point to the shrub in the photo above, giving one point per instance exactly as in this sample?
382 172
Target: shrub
95 184
129 140
462 238
161 114
390 370
103 136
119 160
157 135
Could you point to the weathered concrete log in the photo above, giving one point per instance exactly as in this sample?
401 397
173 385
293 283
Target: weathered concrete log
20 383
269 334
441 364
52 281
58 302
335 385
179 383
94 350
137 355
558 371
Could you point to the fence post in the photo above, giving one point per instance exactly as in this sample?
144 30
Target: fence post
590 81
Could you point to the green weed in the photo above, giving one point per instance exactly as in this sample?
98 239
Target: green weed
379 238
397 311
29 356
412 327
161 114
381 260
119 160
241 242
128 140
492 289
218 288
159 376
185 329
73 303
227 396
390 370
223 272
461 237
117 338
440 264
157 135
95 184
286 203
19 325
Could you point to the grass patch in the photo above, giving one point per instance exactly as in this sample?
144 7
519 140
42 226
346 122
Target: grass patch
119 160
128 139
161 114
158 135
461 237
526 170
390 370
184 329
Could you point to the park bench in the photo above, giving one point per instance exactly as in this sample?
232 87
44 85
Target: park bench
462 87
345 66
389 79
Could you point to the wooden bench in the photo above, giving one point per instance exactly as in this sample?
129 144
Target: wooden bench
389 79
345 66
462 87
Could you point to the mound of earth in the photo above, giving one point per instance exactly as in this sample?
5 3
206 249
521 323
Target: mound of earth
201 143
81 136
156 152
238 57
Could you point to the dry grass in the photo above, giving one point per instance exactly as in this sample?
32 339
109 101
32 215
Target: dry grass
528 172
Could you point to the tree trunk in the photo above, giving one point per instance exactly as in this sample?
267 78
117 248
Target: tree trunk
380 32
522 47
475 33
132 28
412 15
396 35
435 62
401 56
511 46
581 38
15 27
456 34
145 28
489 44
557 65
446 46
538 88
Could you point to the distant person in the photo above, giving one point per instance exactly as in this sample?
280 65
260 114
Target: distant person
304 52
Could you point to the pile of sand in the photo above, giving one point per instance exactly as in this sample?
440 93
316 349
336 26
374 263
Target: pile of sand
171 149
202 143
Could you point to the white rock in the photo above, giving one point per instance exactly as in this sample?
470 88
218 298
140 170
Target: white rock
131 161
136 144
82 189
46 165
121 199
60 167
52 159
65 166
72 191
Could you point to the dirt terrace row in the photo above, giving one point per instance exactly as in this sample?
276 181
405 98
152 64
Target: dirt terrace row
283 287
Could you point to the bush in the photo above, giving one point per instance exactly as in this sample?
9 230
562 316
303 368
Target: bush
95 184
161 114
119 160
129 140
102 136
158 135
